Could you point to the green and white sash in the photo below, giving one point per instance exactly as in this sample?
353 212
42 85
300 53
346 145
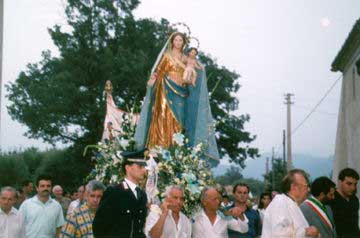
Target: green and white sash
320 211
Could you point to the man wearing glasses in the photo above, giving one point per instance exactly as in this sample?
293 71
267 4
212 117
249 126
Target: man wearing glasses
283 217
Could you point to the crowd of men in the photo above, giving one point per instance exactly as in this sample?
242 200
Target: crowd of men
321 209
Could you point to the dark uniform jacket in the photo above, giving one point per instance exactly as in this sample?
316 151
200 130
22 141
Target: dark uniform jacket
120 213
346 216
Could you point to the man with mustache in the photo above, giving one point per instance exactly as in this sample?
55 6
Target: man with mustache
43 216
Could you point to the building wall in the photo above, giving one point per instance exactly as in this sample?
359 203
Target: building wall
347 150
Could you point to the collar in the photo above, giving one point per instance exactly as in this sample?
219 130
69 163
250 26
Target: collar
291 199
86 207
13 211
131 184
36 199
204 215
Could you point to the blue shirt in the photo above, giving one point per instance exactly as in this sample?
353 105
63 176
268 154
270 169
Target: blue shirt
254 224
41 219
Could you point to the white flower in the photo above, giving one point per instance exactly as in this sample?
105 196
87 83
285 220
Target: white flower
124 143
114 158
114 178
197 148
178 138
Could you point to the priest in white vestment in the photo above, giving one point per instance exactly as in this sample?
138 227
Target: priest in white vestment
283 217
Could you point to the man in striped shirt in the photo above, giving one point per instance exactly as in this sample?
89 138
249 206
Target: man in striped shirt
79 223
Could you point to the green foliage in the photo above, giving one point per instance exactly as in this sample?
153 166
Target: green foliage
273 181
17 166
32 158
256 186
63 168
108 167
13 170
231 175
60 99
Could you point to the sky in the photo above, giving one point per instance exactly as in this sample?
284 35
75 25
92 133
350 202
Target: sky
276 46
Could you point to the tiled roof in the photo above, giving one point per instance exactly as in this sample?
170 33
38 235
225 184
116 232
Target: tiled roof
348 49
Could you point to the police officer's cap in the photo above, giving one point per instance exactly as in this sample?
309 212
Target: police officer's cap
138 157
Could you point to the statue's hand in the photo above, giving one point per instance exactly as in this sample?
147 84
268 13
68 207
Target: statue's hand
152 79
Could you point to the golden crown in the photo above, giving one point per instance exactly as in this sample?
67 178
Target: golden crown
187 33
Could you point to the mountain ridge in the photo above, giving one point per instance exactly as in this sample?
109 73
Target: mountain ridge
315 166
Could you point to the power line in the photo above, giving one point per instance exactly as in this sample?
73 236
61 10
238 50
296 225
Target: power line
312 111
317 111
316 106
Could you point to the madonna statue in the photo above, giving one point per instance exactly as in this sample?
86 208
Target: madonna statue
173 104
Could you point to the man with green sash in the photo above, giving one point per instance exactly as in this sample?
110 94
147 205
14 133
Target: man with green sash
316 209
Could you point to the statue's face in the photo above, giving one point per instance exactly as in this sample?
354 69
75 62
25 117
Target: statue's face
192 53
178 42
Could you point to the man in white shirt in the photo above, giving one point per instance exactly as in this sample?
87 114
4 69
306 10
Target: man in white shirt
43 216
210 223
168 220
283 217
11 221
78 202
62 200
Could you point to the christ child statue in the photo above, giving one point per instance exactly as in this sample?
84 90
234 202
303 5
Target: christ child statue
189 75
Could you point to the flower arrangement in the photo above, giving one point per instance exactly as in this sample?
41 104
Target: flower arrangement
180 165
184 166
107 155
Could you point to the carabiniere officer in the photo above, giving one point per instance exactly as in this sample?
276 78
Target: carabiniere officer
122 210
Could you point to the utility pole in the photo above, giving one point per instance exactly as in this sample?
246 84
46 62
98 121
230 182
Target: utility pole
1 56
288 102
273 169
284 150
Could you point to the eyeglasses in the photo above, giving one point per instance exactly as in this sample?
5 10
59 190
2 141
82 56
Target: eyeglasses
303 185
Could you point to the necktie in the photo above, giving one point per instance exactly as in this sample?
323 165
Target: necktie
138 192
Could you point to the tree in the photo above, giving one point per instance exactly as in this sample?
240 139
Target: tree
231 175
32 158
63 169
13 170
28 164
256 186
273 181
60 99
